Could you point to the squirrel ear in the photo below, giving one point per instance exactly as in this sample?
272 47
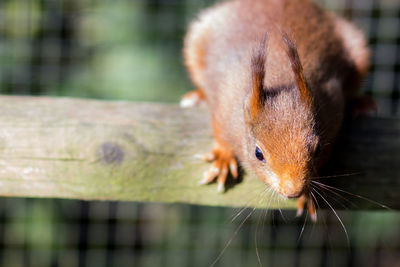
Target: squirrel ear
297 68
257 74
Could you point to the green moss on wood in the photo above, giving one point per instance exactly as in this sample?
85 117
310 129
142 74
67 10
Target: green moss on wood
85 149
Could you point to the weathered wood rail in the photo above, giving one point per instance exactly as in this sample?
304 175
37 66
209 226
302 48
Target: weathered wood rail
98 150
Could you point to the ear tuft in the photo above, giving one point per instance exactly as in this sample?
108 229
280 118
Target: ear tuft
297 68
258 73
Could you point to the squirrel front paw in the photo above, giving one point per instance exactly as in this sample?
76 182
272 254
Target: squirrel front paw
223 161
302 201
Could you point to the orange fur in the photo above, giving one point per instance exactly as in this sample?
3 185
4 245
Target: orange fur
280 97
195 46
297 69
258 74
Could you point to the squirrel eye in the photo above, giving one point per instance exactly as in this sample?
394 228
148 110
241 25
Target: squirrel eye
259 154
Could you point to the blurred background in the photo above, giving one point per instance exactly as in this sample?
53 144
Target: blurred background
131 50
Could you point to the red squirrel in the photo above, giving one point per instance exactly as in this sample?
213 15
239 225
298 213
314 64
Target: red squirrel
276 75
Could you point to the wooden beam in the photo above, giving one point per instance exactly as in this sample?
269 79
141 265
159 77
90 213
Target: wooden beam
86 149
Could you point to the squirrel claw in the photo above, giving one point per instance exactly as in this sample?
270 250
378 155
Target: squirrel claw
233 167
312 211
313 217
221 187
299 212
208 157
209 175
302 201
223 163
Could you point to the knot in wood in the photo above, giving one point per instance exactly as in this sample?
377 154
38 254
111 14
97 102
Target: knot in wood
111 153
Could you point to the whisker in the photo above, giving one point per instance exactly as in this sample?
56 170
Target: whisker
247 204
240 212
262 194
336 176
314 199
337 216
355 195
263 220
303 227
270 196
255 240
327 190
322 186
234 235
318 207
266 194
279 207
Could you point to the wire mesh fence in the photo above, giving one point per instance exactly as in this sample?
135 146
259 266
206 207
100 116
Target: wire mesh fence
131 50
74 233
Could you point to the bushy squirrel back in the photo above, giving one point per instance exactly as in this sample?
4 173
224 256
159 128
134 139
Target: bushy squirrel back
276 75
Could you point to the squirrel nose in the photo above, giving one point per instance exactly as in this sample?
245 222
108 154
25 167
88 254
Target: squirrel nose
291 189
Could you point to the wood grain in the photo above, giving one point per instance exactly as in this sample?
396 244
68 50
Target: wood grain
87 149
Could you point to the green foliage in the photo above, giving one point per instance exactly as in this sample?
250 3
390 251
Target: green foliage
124 63
21 19
129 50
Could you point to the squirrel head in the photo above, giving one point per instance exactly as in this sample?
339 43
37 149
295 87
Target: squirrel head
282 142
